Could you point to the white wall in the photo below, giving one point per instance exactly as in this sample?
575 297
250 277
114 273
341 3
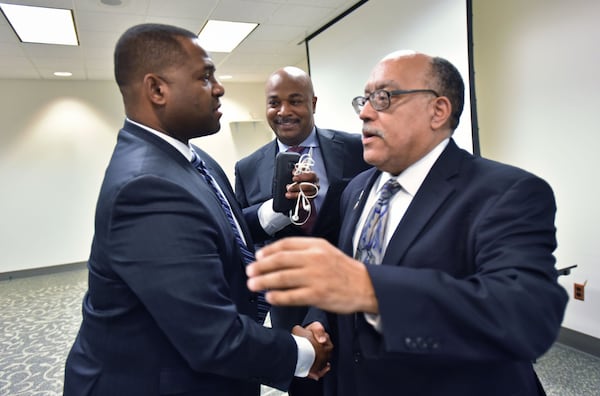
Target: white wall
55 142
538 92
342 56
56 139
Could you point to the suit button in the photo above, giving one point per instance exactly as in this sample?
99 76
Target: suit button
419 342
252 299
410 343
356 357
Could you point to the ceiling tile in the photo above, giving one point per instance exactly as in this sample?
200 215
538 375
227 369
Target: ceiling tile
283 24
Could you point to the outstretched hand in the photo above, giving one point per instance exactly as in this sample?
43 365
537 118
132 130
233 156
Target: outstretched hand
311 271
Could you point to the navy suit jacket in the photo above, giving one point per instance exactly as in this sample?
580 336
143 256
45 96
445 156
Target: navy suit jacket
467 289
167 309
343 156
342 153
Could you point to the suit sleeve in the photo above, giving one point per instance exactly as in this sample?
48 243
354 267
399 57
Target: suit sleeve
173 255
250 211
240 191
508 306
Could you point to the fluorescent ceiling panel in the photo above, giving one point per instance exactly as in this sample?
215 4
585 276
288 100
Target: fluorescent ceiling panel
41 25
224 36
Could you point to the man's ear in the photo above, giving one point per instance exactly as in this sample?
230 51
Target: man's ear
442 108
155 88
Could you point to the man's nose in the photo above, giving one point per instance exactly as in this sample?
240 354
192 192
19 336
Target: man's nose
284 108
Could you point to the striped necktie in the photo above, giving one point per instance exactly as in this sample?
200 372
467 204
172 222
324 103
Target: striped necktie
371 245
247 255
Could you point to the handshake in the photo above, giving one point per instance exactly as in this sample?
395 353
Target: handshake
304 271
319 339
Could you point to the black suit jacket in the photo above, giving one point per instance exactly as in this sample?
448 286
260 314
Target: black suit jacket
342 154
167 309
467 289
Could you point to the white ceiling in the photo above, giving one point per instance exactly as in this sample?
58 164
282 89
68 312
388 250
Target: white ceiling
275 43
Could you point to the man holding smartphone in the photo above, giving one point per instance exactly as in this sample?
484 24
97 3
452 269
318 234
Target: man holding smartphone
337 157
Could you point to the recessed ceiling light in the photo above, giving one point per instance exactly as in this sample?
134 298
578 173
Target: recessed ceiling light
63 74
224 36
41 24
225 77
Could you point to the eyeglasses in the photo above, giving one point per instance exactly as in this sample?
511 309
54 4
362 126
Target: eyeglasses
380 99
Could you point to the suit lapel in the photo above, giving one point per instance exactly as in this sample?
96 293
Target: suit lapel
211 165
263 164
217 173
237 212
265 167
434 191
332 152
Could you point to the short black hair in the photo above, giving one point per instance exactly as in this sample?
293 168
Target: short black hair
449 83
148 48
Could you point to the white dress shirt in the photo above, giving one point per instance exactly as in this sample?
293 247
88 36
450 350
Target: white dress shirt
410 180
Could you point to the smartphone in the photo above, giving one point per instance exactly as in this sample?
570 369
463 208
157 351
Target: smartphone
284 165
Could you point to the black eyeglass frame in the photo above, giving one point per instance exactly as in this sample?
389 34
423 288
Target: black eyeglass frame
358 106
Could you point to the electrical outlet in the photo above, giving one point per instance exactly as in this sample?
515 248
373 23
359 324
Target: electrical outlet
579 291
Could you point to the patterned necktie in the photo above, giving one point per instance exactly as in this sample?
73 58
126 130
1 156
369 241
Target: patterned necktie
310 222
247 255
370 247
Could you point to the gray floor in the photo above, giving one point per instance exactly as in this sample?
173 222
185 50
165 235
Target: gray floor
40 315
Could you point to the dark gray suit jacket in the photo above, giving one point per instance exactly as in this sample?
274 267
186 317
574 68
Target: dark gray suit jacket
167 309
342 154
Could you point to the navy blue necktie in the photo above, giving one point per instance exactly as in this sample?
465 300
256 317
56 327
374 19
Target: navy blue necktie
371 245
247 255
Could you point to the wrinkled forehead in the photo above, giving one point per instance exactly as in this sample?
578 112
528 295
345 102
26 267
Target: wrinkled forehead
400 72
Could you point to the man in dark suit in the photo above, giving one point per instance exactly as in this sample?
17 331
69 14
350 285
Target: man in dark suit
167 309
456 292
291 104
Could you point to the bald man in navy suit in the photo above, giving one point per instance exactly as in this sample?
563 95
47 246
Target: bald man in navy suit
456 292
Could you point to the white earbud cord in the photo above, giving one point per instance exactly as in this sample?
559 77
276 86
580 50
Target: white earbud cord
304 164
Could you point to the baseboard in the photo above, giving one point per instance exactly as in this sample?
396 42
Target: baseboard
571 338
42 271
580 341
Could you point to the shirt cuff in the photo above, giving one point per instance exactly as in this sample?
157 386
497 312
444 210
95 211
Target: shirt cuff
270 220
375 321
306 356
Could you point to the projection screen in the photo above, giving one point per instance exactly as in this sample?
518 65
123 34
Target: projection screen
342 54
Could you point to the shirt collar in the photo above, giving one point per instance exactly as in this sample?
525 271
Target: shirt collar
413 176
184 149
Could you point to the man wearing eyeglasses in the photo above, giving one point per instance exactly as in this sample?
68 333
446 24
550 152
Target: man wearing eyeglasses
444 281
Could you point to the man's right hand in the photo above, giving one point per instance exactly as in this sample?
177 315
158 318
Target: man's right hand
304 180
318 337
